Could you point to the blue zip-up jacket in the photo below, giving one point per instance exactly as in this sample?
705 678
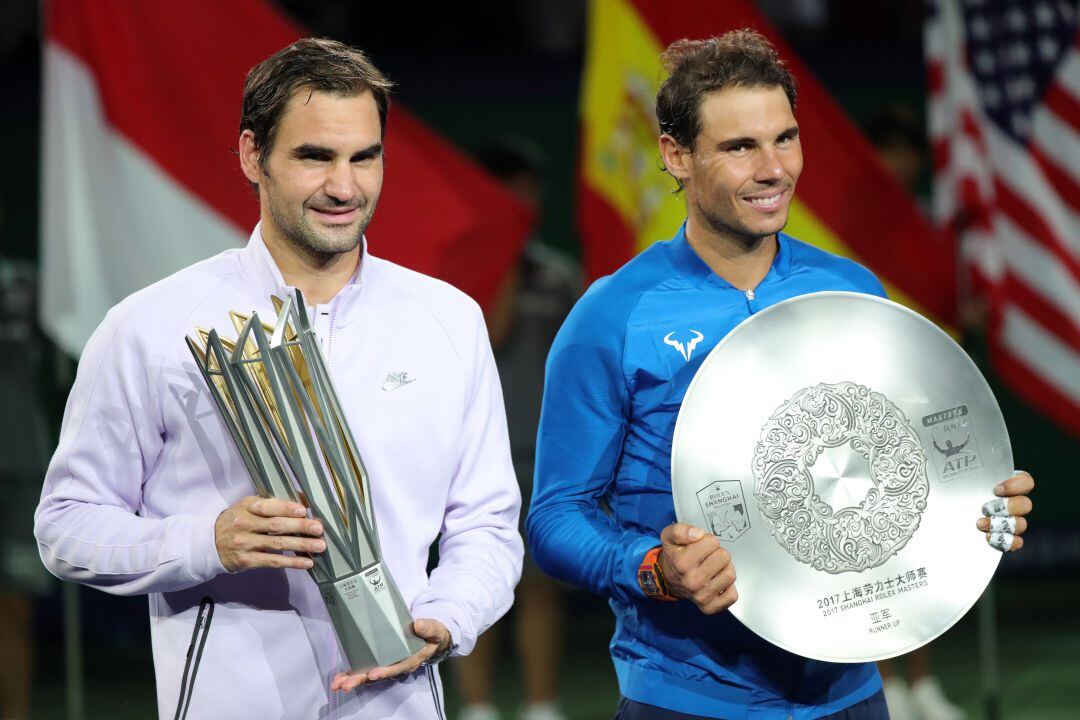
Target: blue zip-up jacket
616 376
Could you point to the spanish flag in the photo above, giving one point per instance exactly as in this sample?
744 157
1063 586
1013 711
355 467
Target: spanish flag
846 201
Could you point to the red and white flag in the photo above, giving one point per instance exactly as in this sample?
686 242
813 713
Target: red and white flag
140 177
1005 125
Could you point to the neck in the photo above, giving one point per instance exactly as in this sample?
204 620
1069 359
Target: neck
319 276
742 262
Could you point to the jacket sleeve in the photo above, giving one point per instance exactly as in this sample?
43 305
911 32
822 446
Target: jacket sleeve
583 423
480 547
87 524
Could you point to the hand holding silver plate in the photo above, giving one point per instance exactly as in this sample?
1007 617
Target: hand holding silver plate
697 568
837 445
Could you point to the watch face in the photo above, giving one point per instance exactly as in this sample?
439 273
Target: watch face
648 583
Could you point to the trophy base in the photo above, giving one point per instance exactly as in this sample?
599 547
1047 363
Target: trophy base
371 620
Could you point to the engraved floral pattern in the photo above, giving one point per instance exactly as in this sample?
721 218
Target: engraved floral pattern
852 538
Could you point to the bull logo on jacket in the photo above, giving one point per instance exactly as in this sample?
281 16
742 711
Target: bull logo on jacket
687 349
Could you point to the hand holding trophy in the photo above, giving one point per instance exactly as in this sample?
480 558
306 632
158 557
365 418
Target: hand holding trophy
275 394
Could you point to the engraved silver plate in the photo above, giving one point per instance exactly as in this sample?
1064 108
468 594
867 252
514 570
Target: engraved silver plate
841 446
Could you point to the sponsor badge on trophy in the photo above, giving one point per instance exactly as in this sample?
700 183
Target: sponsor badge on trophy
274 392
840 446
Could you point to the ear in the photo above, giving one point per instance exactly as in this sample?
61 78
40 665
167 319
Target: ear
249 157
677 158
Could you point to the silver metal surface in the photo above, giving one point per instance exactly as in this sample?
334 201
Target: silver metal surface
841 447
278 401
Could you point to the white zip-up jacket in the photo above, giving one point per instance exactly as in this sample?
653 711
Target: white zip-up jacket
145 465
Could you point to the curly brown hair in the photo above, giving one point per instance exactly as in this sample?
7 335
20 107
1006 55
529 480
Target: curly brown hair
740 58
312 63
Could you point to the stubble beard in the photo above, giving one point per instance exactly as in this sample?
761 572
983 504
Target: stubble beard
738 233
302 235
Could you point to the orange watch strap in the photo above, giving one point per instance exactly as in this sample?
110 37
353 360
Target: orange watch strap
651 577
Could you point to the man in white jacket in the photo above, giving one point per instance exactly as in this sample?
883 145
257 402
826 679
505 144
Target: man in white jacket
146 493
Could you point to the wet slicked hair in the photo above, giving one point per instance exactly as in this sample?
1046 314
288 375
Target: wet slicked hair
740 58
314 64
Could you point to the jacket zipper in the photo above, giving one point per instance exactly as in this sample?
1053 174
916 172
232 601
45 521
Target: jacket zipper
333 324
334 660
333 669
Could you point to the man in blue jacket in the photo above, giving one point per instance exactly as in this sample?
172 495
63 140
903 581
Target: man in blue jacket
602 515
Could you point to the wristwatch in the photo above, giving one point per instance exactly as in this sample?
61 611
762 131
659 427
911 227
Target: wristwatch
651 577
440 655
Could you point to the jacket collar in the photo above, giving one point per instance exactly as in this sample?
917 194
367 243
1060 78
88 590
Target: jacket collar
262 275
689 265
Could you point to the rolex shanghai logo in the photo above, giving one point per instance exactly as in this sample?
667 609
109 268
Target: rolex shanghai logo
724 508
682 343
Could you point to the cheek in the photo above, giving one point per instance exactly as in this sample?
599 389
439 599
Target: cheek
299 183
370 179
727 180
794 164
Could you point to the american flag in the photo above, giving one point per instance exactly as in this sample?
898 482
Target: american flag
1004 119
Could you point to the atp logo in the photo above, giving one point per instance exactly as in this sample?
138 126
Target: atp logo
687 349
375 580
953 438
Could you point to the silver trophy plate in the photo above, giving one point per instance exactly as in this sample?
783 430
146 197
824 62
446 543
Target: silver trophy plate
841 446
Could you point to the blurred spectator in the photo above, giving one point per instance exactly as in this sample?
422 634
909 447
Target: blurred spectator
24 454
900 140
531 306
922 698
901 145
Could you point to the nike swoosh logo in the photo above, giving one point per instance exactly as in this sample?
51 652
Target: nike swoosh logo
395 380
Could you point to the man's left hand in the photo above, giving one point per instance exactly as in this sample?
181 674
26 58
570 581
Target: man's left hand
1005 522
438 640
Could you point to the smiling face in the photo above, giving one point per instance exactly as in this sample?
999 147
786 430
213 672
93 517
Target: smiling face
320 181
740 174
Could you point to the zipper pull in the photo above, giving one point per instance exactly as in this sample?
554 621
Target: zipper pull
750 294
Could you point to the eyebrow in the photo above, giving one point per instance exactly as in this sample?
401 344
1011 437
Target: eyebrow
311 150
791 132
732 142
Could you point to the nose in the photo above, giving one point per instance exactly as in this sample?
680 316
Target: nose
340 184
770 168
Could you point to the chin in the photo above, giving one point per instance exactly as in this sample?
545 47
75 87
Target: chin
331 244
341 247
773 226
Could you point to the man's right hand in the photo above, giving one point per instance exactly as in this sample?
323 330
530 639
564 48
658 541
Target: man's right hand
697 568
255 531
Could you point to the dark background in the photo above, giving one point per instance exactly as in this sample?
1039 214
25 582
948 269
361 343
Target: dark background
479 71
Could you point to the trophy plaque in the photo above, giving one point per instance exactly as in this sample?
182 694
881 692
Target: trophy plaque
841 446
274 392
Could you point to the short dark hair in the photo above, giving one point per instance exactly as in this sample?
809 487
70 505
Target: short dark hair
739 58
315 63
